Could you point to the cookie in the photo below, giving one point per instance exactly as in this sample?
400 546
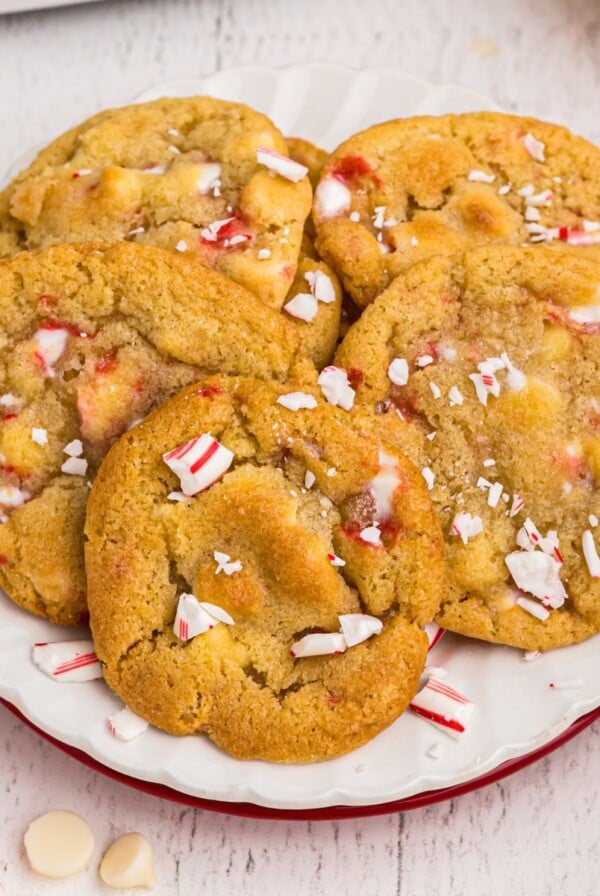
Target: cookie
185 174
295 525
91 338
306 153
484 367
407 189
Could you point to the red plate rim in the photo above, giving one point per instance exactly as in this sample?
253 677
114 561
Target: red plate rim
328 813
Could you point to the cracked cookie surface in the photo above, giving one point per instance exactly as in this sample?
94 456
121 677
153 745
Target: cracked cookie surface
239 683
92 338
407 189
484 367
179 173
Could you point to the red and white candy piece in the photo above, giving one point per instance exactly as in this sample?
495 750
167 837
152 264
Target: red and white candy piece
11 496
591 554
383 485
209 174
296 401
538 574
443 707
534 609
466 526
335 560
371 535
282 165
303 306
125 725
336 387
359 627
194 617
585 314
434 634
320 286
332 198
398 371
226 564
199 463
318 644
50 344
67 660
534 147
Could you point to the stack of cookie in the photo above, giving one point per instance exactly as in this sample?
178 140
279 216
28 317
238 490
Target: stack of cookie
258 530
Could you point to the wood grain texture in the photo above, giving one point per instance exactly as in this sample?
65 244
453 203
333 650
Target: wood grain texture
534 833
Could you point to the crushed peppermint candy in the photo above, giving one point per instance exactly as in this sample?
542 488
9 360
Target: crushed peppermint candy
517 505
50 343
319 644
177 496
543 198
199 463
263 254
296 401
533 608
309 479
424 360
67 660
181 246
303 306
359 627
384 484
336 387
537 573
320 286
443 707
75 466
455 396
429 476
466 526
530 655
281 165
591 554
354 217
194 617
11 496
504 189
39 435
335 560
593 520
481 177
332 198
371 535
398 372
534 147
226 564
210 172
74 448
8 400
434 634
125 725
435 390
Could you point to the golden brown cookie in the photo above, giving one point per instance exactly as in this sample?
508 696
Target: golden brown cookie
484 367
91 338
187 174
294 521
407 189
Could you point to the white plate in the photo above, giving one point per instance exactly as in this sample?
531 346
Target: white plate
516 709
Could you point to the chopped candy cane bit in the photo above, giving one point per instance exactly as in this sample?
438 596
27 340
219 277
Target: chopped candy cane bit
489 462
191 619
125 725
51 343
431 436
67 660
371 535
331 472
504 189
263 254
177 496
534 147
199 463
309 479
320 286
591 554
398 372
593 520
466 526
296 401
443 707
481 177
226 564
39 435
455 396
8 400
181 246
11 496
534 609
74 448
318 644
424 360
530 655
218 614
429 476
532 213
384 484
281 165
517 505
332 198
494 494
359 627
336 387
75 466
335 560
434 634
435 390
210 173
355 217
414 241
303 306
538 574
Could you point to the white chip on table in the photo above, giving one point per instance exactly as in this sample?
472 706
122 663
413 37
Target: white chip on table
59 844
128 862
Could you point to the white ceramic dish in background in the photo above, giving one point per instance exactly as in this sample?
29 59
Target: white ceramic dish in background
15 6
516 710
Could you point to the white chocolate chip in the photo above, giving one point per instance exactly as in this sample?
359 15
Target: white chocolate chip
128 862
59 844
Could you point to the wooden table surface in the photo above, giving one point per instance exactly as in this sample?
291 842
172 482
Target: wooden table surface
534 833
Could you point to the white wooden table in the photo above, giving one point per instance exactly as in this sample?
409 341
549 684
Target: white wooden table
535 833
